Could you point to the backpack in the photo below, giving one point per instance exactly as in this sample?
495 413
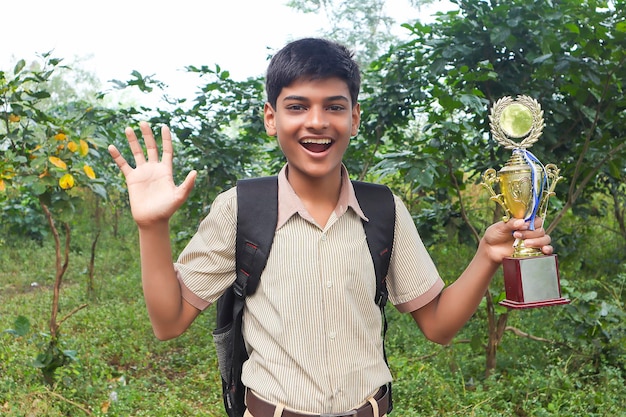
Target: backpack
257 213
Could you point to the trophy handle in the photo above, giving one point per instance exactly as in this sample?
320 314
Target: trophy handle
553 177
490 177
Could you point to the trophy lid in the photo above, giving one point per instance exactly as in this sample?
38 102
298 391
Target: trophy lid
520 118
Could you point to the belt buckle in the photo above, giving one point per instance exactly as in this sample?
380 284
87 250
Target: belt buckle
346 414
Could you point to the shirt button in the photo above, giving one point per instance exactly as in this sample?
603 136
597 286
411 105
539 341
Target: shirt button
332 335
324 238
329 284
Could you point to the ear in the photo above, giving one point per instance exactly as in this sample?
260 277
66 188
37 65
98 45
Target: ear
269 119
356 119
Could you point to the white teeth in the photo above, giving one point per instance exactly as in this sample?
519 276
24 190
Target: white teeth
316 141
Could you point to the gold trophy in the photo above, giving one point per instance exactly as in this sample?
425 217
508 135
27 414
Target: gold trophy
531 279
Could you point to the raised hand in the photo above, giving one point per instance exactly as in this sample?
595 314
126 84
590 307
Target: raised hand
154 197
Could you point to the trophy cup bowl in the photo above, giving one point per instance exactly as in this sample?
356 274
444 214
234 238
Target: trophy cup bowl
531 279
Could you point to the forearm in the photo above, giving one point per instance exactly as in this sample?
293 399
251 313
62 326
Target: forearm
456 304
161 288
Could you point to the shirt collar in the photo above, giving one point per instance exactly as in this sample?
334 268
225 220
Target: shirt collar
289 203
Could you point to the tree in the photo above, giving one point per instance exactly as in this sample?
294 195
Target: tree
365 26
50 154
568 55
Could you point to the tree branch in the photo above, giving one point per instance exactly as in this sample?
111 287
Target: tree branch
71 313
74 403
457 189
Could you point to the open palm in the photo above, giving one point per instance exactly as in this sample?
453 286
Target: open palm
154 197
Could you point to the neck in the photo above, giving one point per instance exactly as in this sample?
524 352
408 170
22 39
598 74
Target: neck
319 195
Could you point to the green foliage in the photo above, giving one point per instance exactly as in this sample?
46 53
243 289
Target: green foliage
569 55
220 134
50 357
121 369
424 131
44 153
596 324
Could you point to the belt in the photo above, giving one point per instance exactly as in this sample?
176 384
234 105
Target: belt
261 408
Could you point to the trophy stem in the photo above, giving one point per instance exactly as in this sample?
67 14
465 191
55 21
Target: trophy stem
521 251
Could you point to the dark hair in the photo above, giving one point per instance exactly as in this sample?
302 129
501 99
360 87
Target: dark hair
313 58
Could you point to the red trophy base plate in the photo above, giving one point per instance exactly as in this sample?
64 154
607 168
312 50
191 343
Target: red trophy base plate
532 282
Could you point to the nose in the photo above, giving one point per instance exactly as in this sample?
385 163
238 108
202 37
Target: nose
316 118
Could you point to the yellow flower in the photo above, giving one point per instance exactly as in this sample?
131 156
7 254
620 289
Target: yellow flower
66 181
60 136
14 118
57 162
72 146
84 148
89 171
3 186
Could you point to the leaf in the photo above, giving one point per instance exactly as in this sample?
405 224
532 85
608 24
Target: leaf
99 190
22 325
57 162
541 59
72 146
89 172
70 354
476 343
104 407
39 94
66 181
499 35
84 148
573 28
19 66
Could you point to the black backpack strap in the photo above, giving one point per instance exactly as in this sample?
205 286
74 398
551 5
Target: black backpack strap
378 205
257 215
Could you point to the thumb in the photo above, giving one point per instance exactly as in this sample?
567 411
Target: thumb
187 185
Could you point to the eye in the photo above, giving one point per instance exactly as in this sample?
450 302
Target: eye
336 107
296 107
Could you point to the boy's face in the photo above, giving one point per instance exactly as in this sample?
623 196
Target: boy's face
313 121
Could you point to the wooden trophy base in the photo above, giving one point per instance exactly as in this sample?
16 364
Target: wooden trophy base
532 282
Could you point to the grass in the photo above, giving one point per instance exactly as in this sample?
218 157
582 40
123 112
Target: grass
122 370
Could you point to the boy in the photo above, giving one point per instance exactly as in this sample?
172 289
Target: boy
312 328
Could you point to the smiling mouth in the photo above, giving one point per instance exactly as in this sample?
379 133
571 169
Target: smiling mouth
316 145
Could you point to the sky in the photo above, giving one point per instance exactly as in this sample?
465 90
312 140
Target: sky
155 37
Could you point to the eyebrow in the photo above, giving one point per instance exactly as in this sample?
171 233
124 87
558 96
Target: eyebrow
302 98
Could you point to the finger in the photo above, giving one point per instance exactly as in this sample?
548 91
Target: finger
528 234
149 141
119 160
547 250
538 242
187 185
168 149
134 145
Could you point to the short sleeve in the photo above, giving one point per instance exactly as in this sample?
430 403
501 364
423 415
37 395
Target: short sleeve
413 280
206 267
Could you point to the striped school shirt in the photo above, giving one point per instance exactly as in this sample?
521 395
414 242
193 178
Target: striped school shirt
312 328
